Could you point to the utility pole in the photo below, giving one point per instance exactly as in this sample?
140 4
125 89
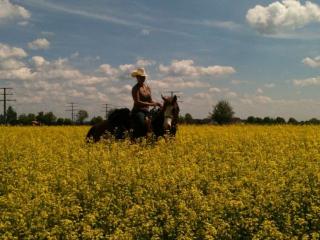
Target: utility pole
173 92
72 110
5 100
106 109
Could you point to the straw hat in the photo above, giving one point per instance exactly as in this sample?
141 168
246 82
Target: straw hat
139 72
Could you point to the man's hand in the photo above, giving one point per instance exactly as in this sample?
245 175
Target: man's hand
157 104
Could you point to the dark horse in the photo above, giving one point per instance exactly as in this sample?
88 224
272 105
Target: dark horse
163 121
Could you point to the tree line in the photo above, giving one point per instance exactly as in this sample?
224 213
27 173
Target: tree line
222 113
46 118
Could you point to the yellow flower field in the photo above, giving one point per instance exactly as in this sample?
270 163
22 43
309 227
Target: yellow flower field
231 182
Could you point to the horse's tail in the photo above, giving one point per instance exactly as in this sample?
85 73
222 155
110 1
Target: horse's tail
90 134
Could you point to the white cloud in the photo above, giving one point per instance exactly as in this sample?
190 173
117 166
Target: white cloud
312 62
38 61
260 99
219 24
259 91
231 94
23 23
7 51
40 43
177 83
307 82
23 73
282 16
228 25
47 34
108 70
269 85
202 95
214 90
237 82
188 69
10 64
9 11
145 63
145 32
123 71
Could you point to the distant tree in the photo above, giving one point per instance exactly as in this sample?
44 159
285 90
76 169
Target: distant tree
40 117
23 119
96 120
314 121
181 119
46 118
259 120
82 115
67 121
280 120
60 121
222 112
11 116
292 121
251 120
188 118
26 119
50 118
268 120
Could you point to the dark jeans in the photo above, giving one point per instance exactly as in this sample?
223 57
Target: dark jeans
139 122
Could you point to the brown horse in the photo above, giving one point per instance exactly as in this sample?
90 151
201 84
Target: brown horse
163 121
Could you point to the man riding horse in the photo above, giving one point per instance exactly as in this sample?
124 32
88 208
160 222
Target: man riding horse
142 100
140 122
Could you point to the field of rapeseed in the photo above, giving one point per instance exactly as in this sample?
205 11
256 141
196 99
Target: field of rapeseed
233 182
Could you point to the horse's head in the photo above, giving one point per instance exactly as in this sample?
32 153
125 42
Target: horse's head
171 112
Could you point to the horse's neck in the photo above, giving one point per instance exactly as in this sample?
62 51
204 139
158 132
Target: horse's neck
157 116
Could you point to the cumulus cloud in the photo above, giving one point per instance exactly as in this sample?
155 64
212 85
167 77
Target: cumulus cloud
269 85
145 32
259 91
9 12
312 62
145 63
38 61
187 68
307 82
54 82
177 83
215 90
123 71
108 70
10 64
23 73
238 82
282 16
7 51
40 43
260 99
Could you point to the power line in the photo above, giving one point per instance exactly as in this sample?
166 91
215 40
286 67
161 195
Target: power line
72 110
5 100
173 92
108 107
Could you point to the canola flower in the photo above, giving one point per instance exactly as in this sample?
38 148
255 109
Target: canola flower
211 182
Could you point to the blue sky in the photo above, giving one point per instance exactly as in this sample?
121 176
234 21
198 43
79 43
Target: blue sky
262 56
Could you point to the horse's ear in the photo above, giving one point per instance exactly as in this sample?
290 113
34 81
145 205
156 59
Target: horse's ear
164 99
175 98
